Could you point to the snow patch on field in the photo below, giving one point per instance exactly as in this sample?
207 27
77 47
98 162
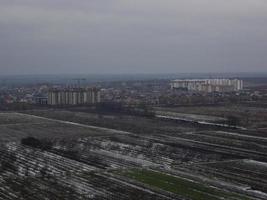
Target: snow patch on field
254 162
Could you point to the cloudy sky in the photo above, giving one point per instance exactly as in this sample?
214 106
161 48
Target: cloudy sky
132 36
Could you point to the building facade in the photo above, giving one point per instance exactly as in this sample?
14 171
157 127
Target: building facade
73 96
208 85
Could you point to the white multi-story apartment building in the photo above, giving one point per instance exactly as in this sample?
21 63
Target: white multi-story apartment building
208 85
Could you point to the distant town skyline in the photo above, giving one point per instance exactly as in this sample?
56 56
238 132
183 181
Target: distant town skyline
132 37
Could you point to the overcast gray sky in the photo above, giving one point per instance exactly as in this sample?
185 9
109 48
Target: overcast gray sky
132 36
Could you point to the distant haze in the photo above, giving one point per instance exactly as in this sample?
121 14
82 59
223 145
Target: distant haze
132 36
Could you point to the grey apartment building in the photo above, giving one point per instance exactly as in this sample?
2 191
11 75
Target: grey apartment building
73 96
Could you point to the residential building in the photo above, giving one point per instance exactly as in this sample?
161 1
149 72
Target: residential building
208 85
73 96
